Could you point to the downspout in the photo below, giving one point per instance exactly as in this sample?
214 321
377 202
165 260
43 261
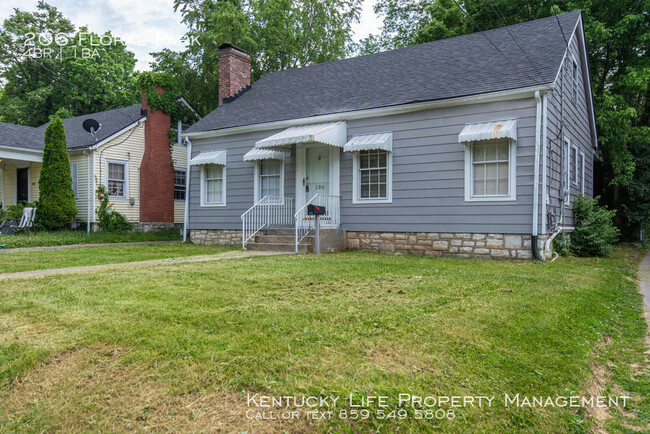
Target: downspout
544 160
538 127
3 186
186 216
94 186
89 192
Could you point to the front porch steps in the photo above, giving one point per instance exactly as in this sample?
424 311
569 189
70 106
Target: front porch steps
280 240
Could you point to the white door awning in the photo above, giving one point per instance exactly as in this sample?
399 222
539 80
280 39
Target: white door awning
368 142
489 130
212 157
331 133
264 154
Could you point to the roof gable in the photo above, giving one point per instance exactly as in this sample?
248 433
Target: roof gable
448 68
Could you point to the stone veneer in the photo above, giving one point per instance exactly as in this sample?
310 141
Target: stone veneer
463 245
224 237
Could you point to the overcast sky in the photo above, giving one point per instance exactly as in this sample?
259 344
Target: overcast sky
146 25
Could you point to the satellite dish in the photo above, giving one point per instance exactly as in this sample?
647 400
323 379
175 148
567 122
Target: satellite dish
92 126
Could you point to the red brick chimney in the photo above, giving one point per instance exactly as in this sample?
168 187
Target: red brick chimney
234 71
156 169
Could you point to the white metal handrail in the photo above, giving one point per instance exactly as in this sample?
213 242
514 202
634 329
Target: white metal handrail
270 210
305 222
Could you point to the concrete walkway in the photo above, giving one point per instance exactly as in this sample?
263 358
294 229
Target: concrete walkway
76 246
36 274
644 285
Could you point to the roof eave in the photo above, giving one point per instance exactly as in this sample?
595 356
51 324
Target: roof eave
516 93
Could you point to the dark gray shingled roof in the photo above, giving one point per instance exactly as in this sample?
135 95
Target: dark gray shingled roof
461 66
112 121
20 136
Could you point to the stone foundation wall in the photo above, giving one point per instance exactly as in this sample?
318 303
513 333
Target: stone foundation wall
146 227
462 245
223 237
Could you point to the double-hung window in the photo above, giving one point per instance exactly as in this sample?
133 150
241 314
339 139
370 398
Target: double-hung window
574 80
179 184
270 178
372 176
491 168
213 185
117 183
574 162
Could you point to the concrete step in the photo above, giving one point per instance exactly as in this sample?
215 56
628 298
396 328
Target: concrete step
279 247
285 239
280 231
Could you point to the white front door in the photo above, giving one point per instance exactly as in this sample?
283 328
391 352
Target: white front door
317 171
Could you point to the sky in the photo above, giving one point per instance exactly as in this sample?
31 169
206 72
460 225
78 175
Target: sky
147 25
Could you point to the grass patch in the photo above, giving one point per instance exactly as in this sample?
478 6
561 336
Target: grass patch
95 255
177 347
61 238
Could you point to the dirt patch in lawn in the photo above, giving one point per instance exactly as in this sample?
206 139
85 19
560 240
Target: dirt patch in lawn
597 382
94 388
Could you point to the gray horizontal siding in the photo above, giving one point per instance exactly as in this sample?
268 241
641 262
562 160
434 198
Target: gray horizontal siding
428 175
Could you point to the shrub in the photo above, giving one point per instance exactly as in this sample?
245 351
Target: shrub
110 220
562 245
57 207
594 228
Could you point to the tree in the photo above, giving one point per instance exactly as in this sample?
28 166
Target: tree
617 33
46 64
56 204
279 34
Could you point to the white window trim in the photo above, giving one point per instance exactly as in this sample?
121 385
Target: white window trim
75 182
582 174
512 176
125 192
356 190
567 170
203 190
256 181
180 169
575 165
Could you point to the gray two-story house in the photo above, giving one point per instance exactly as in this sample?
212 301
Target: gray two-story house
469 146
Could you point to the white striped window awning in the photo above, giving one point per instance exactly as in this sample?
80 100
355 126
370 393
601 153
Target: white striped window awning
331 133
265 154
489 130
212 157
370 142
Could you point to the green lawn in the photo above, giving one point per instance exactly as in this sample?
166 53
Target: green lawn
96 255
60 238
178 347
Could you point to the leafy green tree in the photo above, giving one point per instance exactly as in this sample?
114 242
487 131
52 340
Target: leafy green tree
617 33
56 204
46 64
279 34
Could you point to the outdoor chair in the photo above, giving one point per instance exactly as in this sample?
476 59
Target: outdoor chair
27 220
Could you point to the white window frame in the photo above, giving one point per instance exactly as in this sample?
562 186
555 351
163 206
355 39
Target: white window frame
582 173
574 79
512 176
125 191
74 169
575 164
256 183
356 189
203 190
180 169
567 170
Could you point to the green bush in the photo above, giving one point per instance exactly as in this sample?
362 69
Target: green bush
57 207
594 231
562 244
108 219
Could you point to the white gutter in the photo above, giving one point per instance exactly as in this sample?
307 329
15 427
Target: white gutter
188 170
88 191
538 128
117 133
383 111
544 159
